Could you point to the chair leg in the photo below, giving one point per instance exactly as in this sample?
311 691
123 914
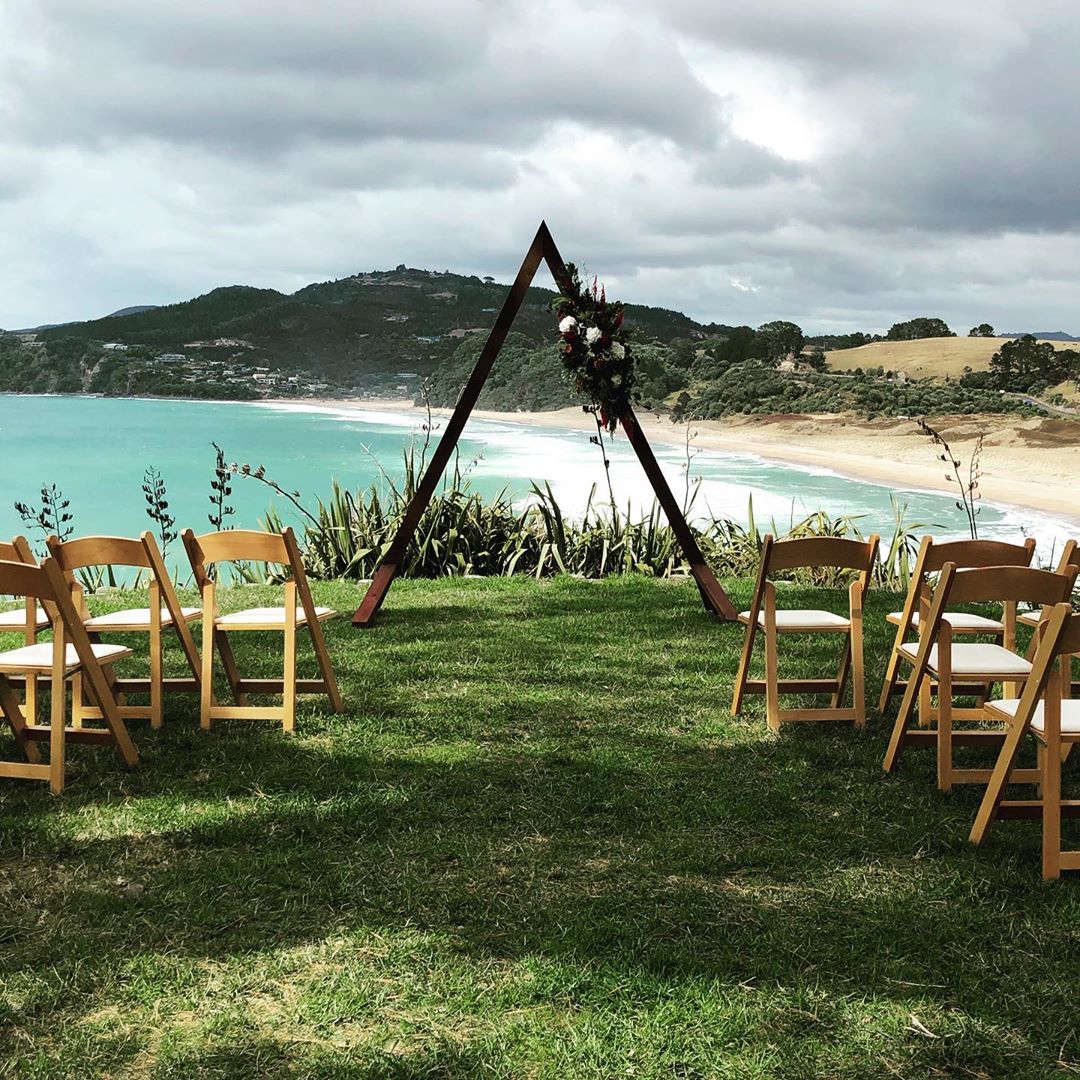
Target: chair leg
944 718
228 662
1050 770
288 688
843 670
896 741
57 721
858 675
206 682
889 685
744 668
926 701
326 667
157 648
12 713
78 699
772 680
156 704
31 698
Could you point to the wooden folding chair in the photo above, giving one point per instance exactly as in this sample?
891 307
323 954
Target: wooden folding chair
1070 556
819 552
29 619
936 659
1045 711
298 610
164 612
69 653
964 555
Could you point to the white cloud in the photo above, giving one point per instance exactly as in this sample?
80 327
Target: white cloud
841 165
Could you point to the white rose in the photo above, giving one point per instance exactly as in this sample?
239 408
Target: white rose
616 379
617 350
568 325
593 335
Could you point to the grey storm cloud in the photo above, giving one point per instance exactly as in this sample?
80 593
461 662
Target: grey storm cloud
843 164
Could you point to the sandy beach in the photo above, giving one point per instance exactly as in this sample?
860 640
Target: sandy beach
1025 462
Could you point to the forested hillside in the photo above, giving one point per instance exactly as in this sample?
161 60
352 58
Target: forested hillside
418 333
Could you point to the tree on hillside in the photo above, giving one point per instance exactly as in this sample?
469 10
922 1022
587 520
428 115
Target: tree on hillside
982 330
922 327
1025 365
780 339
816 358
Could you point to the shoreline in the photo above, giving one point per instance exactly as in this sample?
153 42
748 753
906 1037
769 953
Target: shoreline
1026 465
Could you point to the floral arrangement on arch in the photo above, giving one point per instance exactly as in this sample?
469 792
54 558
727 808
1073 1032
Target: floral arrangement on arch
595 348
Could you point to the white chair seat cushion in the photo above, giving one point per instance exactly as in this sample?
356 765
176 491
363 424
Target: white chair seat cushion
271 617
974 659
39 657
135 617
805 619
11 621
1070 714
958 620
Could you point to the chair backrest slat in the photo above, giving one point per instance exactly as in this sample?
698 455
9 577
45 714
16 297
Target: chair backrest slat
835 552
240 545
976 554
1010 584
1069 644
1069 556
17 550
84 551
22 580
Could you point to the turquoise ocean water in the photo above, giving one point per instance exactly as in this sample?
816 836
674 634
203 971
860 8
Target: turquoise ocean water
96 449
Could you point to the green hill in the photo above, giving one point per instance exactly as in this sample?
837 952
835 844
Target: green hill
379 322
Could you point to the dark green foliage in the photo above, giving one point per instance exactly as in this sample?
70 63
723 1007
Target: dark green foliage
346 331
982 330
829 342
757 387
460 532
914 329
779 339
526 377
1025 365
68 365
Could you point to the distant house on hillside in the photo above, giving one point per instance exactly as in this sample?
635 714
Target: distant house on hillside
396 318
115 346
444 296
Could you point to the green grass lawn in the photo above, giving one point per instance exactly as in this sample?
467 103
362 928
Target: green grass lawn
536 845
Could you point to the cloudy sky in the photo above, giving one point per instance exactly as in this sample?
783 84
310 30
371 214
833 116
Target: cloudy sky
841 163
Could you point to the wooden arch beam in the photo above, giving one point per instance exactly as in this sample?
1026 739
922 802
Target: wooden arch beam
542 249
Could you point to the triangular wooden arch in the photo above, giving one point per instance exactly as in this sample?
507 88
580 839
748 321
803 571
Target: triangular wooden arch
543 249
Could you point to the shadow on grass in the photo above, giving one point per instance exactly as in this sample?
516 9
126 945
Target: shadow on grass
575 807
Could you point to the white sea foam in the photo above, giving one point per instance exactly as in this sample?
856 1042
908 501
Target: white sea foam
781 493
